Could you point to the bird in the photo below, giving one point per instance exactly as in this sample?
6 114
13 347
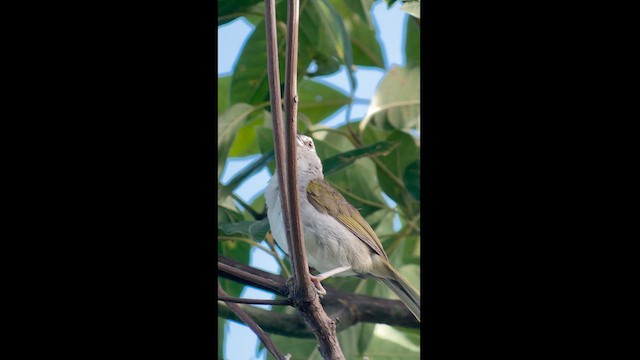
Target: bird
338 240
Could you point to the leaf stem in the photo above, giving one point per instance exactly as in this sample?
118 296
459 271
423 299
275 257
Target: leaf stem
362 200
248 241
250 210
388 172
271 242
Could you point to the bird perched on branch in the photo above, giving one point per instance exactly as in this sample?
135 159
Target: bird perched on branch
338 240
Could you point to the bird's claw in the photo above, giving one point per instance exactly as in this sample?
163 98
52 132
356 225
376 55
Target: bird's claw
318 285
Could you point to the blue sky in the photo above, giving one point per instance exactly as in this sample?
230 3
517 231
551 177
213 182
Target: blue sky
241 342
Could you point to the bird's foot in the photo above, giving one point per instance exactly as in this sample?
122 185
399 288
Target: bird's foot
316 282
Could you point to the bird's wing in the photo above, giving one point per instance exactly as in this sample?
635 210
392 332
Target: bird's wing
335 205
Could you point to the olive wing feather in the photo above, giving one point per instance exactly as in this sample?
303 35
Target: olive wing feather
326 199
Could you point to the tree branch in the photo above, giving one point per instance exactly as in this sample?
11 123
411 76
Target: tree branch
266 340
304 296
292 325
350 308
249 278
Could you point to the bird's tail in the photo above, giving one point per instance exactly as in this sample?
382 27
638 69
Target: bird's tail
405 291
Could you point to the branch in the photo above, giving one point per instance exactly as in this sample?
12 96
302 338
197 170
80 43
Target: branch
350 308
256 215
249 277
292 325
266 340
305 296
296 239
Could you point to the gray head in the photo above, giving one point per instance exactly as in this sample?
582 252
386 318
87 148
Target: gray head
308 161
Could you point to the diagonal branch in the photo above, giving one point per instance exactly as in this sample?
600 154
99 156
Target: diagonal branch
266 340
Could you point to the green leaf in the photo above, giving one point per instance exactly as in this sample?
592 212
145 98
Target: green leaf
359 8
228 124
224 86
226 215
322 31
221 334
225 190
411 7
249 83
396 103
366 335
256 230
325 65
265 140
357 182
258 204
392 343
349 340
233 249
340 161
395 164
229 10
245 143
297 347
411 251
359 25
317 101
390 3
373 134
412 179
412 43
236 250
411 272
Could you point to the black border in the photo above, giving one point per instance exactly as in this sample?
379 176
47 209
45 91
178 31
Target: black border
122 197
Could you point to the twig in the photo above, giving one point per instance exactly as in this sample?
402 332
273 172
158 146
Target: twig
266 340
249 278
360 199
272 246
248 241
256 215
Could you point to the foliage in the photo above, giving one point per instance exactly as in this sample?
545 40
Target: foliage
380 154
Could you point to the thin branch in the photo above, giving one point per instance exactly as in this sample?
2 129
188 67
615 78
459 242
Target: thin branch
360 199
291 325
350 308
249 278
256 215
276 106
319 128
269 239
226 190
388 172
248 241
295 240
305 296
254 301
266 340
